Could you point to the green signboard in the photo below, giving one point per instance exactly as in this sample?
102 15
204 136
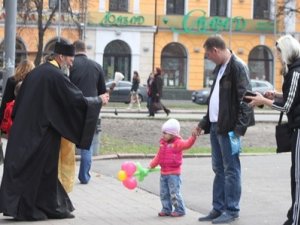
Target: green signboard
194 22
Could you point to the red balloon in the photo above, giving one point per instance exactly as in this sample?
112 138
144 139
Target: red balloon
129 168
130 183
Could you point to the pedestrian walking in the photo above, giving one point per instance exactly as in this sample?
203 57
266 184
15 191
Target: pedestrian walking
225 114
88 76
54 108
288 101
134 91
149 100
170 157
156 90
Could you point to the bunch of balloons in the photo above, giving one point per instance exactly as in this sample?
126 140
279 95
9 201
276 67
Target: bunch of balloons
131 172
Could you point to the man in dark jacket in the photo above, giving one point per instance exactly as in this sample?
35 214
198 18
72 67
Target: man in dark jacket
88 76
226 113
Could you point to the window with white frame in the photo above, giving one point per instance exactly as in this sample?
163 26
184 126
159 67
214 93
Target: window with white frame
261 9
175 7
118 5
64 5
218 8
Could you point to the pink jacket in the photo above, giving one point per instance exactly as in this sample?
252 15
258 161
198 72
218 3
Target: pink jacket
169 156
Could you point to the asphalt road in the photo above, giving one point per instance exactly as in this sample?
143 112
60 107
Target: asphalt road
265 185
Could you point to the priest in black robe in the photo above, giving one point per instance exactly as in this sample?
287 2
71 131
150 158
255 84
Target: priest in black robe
47 108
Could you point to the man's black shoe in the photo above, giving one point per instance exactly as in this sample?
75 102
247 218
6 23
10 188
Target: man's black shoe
213 214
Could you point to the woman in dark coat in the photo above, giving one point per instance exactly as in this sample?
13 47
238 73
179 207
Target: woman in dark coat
156 94
22 70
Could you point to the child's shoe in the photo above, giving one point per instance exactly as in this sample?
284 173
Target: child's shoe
176 214
163 214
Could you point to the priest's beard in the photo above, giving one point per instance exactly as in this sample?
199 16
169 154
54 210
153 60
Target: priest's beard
65 68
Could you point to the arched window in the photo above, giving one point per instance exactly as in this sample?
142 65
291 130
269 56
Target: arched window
117 57
174 65
21 52
49 47
260 63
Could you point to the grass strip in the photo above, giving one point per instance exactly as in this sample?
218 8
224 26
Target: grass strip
111 145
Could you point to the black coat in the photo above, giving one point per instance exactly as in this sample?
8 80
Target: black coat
291 95
88 76
234 115
156 88
135 85
48 107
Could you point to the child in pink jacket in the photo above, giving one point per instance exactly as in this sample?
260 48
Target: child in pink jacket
169 157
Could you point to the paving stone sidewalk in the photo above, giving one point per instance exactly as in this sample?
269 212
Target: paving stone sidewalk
105 201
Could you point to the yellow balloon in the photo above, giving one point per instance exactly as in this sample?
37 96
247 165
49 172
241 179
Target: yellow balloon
122 175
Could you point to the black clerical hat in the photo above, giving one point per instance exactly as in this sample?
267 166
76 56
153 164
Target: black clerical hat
64 48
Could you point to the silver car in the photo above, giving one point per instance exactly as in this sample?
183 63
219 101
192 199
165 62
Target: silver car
121 92
201 96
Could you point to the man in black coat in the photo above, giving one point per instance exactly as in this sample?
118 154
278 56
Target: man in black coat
88 76
48 107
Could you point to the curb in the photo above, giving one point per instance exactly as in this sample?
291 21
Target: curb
179 111
147 156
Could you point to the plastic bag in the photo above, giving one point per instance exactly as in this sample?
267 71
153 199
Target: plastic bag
235 142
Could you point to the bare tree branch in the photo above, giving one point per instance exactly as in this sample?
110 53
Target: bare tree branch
43 22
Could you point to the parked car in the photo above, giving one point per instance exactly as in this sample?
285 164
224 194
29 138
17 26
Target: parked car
121 92
261 86
201 96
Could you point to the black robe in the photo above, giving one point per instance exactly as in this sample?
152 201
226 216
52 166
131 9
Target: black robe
48 106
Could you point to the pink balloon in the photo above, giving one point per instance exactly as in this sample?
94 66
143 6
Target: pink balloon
129 168
130 183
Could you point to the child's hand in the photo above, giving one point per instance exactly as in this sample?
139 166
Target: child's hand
197 131
194 133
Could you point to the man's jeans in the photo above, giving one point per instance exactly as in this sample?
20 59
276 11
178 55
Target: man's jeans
170 194
86 160
227 169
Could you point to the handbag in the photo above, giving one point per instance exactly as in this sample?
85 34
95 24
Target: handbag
157 106
283 134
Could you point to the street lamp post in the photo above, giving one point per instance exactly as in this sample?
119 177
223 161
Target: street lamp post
9 40
59 18
230 24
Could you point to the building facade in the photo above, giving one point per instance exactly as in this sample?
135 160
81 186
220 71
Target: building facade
129 35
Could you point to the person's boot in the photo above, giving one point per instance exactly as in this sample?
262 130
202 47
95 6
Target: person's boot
167 111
